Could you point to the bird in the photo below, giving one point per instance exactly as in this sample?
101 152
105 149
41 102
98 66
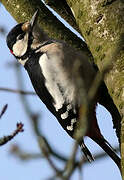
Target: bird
54 68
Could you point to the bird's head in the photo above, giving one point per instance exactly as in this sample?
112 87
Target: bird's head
21 36
24 37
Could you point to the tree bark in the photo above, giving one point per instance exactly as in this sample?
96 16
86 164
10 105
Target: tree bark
102 26
62 8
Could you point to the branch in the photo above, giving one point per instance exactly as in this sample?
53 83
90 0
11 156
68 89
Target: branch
17 91
6 139
45 148
19 129
71 164
3 110
17 151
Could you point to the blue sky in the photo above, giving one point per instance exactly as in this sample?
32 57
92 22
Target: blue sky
13 168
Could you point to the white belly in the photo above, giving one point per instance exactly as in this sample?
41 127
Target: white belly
55 78
51 83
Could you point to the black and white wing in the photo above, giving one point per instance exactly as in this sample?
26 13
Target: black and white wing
48 87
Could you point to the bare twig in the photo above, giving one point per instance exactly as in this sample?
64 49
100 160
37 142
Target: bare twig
45 147
43 144
16 150
6 139
70 165
17 91
3 110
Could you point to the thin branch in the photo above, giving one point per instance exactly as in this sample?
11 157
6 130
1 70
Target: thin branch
19 129
3 110
22 155
43 144
44 147
6 139
22 92
70 165
16 150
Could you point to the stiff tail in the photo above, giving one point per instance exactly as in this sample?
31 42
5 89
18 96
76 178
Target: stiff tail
86 152
109 150
95 134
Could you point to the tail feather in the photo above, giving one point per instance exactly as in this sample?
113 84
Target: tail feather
109 150
86 152
95 134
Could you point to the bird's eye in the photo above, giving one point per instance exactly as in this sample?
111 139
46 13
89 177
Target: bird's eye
21 36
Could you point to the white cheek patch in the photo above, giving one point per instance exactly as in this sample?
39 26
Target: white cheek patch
20 47
51 84
71 127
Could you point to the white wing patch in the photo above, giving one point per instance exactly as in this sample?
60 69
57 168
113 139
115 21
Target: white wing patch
69 107
55 77
70 128
50 76
64 115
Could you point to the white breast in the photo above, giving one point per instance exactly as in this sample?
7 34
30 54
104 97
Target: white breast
54 79
50 76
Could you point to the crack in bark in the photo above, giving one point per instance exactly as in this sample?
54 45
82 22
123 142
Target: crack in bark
99 18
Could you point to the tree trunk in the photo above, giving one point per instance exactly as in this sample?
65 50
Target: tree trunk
102 26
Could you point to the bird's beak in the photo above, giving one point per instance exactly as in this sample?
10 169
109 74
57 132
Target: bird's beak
34 19
28 26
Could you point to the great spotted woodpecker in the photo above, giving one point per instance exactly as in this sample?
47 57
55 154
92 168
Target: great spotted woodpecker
52 68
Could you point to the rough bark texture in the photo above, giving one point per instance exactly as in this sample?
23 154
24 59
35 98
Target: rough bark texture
62 8
101 23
